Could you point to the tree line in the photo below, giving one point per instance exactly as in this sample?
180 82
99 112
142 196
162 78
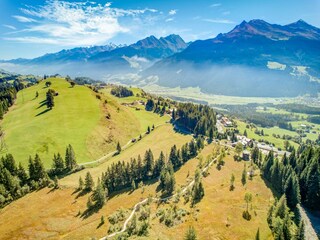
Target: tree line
296 176
122 175
16 181
120 91
199 119
8 94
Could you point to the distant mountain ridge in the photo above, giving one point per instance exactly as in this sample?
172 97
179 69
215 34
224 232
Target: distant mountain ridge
150 48
236 63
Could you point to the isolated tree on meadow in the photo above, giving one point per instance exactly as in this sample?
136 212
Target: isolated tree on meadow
232 179
257 235
244 176
190 234
72 83
118 148
248 199
50 99
48 83
238 149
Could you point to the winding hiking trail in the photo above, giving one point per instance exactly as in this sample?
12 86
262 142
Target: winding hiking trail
125 224
111 154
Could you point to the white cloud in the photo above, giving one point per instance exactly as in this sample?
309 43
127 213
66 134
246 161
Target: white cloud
173 12
215 5
9 26
77 23
223 21
24 19
169 19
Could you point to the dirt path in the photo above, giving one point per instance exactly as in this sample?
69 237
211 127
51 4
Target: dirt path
108 155
124 227
310 233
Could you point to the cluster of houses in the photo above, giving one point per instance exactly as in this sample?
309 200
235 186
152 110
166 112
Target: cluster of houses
264 148
224 121
134 104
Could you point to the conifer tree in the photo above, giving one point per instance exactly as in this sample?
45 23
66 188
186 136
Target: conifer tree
40 172
89 184
22 174
99 195
118 148
50 99
197 189
81 184
244 176
58 164
258 235
70 158
292 191
190 234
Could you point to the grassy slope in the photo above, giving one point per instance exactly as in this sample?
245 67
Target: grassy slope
219 204
78 118
74 116
60 220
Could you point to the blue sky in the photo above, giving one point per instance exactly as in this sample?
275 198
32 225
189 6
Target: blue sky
30 28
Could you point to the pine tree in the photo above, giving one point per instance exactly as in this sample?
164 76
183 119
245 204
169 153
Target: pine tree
70 158
292 191
99 195
118 148
89 203
248 199
89 184
197 189
50 99
31 168
244 176
148 163
232 179
81 184
258 235
58 164
190 234
56 182
39 170
22 174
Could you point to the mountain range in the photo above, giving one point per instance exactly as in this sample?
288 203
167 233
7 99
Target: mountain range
255 58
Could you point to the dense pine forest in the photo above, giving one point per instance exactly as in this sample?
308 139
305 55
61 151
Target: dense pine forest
199 119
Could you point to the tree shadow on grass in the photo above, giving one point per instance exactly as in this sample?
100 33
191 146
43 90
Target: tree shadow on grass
90 211
81 193
43 103
43 112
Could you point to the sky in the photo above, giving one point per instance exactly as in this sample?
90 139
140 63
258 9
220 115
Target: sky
31 28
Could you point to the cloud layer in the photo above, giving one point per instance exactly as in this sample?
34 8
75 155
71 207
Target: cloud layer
74 24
